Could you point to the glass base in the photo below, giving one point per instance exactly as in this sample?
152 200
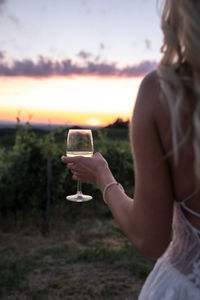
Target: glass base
79 197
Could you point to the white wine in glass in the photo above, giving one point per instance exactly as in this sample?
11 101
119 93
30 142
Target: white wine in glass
79 143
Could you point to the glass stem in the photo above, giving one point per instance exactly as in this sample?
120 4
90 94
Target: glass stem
79 187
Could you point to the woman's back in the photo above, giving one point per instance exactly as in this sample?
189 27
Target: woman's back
182 173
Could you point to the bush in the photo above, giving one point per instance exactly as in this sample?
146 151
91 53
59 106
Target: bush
30 175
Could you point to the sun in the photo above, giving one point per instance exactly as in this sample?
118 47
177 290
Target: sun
93 122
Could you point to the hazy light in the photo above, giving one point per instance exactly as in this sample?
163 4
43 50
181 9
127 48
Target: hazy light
93 122
76 100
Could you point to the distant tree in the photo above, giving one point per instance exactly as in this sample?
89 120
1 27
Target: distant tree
119 123
76 127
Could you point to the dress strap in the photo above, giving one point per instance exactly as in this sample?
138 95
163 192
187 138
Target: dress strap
190 196
183 203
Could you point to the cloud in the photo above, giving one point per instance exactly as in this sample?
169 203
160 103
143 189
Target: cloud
10 16
2 5
46 67
84 54
140 69
85 6
102 46
103 11
1 55
148 44
2 2
83 2
14 19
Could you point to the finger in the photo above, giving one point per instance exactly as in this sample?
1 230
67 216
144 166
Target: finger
63 159
66 159
97 154
74 177
70 166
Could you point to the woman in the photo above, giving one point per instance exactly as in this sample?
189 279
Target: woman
165 138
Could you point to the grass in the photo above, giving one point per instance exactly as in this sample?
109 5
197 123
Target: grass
84 259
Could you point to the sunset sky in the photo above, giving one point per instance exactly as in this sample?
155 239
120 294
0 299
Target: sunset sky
75 61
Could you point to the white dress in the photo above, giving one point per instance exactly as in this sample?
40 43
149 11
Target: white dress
176 275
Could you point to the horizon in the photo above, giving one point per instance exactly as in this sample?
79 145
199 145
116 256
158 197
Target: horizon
47 126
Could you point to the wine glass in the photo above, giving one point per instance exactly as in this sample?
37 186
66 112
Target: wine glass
79 143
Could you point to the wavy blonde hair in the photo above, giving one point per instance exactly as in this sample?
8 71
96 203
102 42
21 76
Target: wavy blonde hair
179 70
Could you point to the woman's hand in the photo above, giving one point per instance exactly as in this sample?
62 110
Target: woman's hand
87 169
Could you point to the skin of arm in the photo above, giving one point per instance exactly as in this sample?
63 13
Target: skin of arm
146 220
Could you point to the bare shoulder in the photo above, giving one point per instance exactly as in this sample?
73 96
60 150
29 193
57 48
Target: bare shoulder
151 77
148 97
150 102
150 88
151 80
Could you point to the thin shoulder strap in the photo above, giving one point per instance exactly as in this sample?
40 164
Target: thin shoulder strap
183 204
190 196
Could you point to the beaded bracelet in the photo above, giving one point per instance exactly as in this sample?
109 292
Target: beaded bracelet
106 188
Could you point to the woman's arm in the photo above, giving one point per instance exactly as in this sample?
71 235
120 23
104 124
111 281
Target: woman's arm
153 198
147 219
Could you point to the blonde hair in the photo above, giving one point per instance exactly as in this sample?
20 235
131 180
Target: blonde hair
179 70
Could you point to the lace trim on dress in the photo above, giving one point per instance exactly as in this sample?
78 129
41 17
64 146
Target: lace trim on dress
184 251
176 275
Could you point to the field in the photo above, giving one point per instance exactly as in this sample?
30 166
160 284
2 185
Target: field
54 249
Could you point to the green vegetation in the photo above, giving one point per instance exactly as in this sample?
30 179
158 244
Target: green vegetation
54 249
33 181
